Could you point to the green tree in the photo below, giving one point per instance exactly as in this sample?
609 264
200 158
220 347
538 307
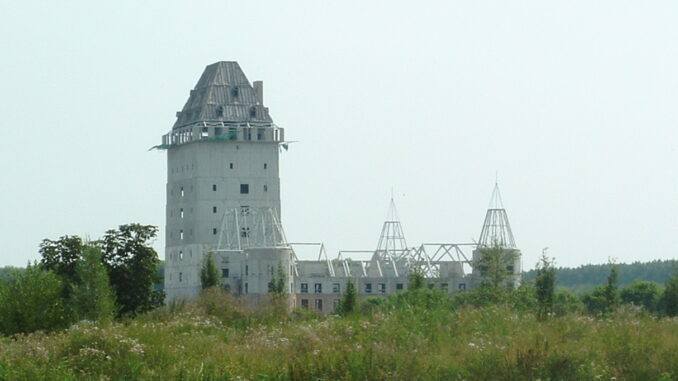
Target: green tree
349 300
92 297
545 284
61 256
131 265
32 301
278 283
641 293
209 274
493 265
565 302
670 295
611 289
415 279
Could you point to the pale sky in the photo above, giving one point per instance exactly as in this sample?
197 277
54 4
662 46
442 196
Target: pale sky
572 103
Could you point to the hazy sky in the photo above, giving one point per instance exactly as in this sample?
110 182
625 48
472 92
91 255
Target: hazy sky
573 103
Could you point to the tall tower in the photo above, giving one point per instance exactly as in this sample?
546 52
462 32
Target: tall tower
496 235
222 161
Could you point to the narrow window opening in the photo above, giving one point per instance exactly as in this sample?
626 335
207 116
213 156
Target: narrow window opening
214 187
265 166
181 276
304 304
265 188
224 273
319 304
214 231
214 209
368 288
247 270
181 212
181 234
318 288
181 192
230 165
336 288
304 288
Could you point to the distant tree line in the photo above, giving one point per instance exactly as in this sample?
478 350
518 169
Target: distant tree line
586 277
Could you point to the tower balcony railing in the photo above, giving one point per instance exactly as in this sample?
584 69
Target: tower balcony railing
224 131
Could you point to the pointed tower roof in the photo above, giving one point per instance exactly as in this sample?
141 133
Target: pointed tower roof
392 239
223 94
496 228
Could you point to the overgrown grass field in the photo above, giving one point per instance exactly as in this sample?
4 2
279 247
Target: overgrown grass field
417 337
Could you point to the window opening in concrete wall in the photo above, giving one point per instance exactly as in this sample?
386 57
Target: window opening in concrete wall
181 234
336 288
265 188
246 288
181 255
214 187
399 286
381 287
304 303
181 192
230 165
444 287
245 232
244 188
318 288
462 286
265 166
235 92
181 276
335 304
304 288
224 273
319 304
220 111
368 288
244 210
214 209
181 212
214 231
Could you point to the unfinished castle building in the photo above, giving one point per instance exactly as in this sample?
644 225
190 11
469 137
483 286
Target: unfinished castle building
223 197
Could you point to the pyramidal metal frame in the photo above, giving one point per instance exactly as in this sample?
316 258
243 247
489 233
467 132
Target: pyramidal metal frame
496 231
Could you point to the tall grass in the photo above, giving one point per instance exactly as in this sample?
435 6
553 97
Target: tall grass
419 337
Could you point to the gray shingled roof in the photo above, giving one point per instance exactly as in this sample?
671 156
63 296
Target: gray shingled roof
223 93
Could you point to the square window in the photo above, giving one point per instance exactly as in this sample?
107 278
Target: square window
399 286
336 288
318 288
224 273
368 288
244 232
244 188
304 303
462 286
244 210
444 287
304 288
